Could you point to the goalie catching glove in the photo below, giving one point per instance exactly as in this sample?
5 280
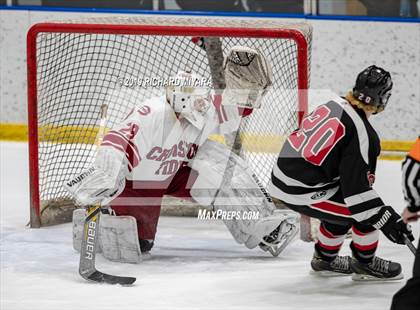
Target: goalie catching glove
248 76
101 182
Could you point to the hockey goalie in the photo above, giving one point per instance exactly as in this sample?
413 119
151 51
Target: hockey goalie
162 148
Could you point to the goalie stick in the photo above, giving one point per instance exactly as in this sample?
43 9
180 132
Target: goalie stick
91 231
213 48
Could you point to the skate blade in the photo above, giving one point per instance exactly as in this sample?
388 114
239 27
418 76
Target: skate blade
368 278
329 274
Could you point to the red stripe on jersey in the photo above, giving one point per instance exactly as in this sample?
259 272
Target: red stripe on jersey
115 146
330 247
366 247
128 143
328 206
115 139
119 148
133 155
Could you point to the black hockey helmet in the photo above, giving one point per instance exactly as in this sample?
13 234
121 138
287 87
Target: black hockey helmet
373 87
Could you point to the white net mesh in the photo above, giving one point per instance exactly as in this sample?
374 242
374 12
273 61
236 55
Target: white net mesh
78 72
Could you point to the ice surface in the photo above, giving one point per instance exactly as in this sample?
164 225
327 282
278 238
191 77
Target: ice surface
194 265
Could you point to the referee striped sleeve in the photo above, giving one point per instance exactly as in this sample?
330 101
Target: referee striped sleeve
411 183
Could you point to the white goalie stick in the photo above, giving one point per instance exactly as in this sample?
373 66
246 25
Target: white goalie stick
213 49
91 233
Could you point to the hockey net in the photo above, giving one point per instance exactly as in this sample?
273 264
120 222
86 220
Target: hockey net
76 66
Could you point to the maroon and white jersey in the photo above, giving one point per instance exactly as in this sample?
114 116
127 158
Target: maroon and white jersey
157 144
335 149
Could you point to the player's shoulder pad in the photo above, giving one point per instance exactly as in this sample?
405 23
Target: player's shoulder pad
355 126
340 107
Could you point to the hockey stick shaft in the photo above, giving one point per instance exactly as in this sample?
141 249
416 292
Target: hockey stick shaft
90 230
213 48
410 245
90 241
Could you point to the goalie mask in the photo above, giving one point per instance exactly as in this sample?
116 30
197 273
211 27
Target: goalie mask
248 77
187 96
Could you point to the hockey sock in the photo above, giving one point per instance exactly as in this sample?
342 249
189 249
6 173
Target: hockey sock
365 241
330 239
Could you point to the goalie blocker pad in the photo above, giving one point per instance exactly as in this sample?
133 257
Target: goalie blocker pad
118 239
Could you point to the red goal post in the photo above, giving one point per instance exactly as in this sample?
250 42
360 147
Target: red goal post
70 73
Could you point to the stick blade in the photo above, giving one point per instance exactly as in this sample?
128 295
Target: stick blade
101 277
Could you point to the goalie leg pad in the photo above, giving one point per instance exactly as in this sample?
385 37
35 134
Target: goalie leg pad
242 195
118 239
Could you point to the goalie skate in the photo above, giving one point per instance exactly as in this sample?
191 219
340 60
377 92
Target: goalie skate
282 236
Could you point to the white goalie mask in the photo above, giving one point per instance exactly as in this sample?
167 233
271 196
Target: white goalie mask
248 77
189 97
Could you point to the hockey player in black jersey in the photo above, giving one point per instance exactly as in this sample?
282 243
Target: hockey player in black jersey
326 169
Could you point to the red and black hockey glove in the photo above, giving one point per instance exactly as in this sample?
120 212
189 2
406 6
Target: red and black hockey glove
392 225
